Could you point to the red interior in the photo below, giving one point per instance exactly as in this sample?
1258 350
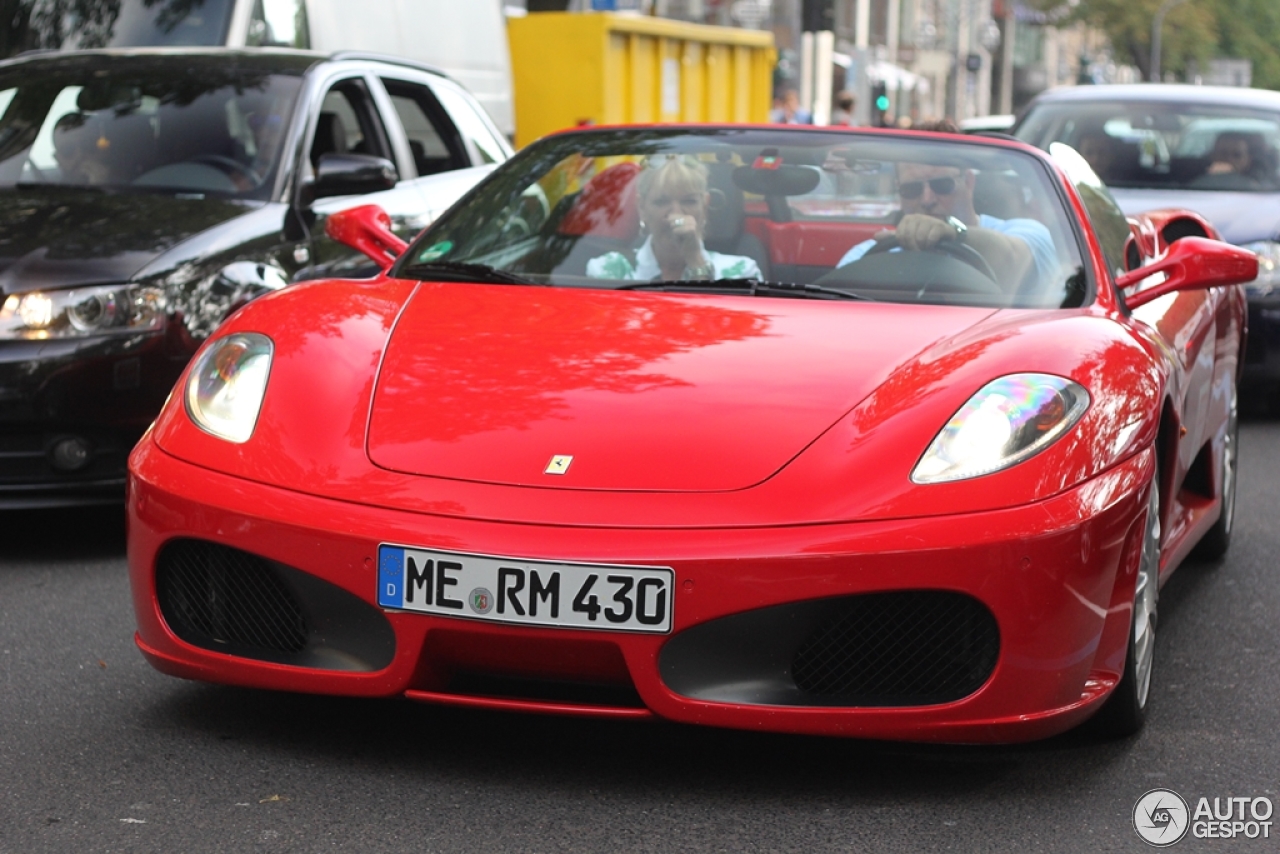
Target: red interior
816 243
606 207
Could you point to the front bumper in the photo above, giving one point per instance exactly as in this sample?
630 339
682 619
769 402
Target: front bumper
94 397
1056 579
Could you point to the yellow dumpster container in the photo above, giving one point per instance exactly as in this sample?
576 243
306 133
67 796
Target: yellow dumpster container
574 68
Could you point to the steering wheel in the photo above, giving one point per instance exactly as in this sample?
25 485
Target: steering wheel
947 269
960 251
232 167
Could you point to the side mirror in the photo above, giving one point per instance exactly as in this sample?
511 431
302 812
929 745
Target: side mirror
1192 263
352 175
367 228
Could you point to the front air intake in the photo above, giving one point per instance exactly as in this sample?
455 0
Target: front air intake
902 648
893 648
221 598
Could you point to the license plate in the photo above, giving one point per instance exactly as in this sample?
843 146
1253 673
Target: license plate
529 592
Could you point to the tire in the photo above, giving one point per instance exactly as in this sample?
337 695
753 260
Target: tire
1213 546
1125 711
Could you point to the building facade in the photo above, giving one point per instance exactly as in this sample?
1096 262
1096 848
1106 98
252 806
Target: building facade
930 58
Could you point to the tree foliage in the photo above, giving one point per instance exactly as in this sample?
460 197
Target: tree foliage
52 24
34 24
1194 32
1250 29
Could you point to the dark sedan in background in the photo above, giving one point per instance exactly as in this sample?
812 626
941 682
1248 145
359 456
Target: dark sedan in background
1212 149
146 194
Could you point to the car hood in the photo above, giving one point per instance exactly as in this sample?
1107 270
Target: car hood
642 391
1239 217
56 238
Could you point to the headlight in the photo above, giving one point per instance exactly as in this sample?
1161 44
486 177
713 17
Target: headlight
1007 421
1268 252
225 387
82 312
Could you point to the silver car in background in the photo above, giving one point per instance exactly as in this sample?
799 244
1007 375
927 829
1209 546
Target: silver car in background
1212 149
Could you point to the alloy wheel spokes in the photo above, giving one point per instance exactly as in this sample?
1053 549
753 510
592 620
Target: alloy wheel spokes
1230 459
1144 601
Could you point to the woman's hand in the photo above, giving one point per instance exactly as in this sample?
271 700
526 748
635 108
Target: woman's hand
683 227
684 232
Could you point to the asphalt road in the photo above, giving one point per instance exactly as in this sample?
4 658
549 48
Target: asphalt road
100 753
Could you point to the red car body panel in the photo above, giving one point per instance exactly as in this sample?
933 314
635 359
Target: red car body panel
761 449
614 376
311 438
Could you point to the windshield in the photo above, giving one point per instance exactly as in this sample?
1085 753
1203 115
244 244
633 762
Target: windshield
911 218
202 125
1165 145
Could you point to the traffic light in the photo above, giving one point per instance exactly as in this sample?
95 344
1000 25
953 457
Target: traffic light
879 103
818 16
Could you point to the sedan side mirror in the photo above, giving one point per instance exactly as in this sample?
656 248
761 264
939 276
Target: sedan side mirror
352 175
1192 263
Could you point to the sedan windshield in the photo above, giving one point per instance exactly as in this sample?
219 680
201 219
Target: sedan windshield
802 214
171 124
1175 146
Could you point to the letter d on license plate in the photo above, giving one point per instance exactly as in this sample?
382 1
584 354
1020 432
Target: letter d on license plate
510 590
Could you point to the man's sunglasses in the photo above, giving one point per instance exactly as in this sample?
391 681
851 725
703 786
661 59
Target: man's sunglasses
944 186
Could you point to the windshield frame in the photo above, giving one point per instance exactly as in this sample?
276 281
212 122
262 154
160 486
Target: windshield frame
467 215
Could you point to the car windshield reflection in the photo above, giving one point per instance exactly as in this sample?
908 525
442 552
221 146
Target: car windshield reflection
146 125
1166 145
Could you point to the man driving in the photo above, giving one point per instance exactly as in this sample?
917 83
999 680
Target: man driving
937 205
78 152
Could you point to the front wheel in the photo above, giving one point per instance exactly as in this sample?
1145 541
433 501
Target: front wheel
1125 711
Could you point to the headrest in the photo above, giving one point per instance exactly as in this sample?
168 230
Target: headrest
726 210
331 136
999 194
606 207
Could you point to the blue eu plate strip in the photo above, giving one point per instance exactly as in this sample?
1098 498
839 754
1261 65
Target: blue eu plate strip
390 577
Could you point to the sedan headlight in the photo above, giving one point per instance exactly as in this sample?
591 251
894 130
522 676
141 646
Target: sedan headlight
226 385
1007 421
1268 252
82 312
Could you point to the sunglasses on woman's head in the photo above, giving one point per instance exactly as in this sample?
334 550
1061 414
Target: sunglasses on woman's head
944 186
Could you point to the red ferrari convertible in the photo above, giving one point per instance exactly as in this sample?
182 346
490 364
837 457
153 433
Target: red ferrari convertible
875 434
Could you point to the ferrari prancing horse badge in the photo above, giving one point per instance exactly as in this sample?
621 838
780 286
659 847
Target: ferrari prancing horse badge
559 464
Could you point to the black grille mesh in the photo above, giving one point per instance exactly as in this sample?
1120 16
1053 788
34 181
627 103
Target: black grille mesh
218 597
906 648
